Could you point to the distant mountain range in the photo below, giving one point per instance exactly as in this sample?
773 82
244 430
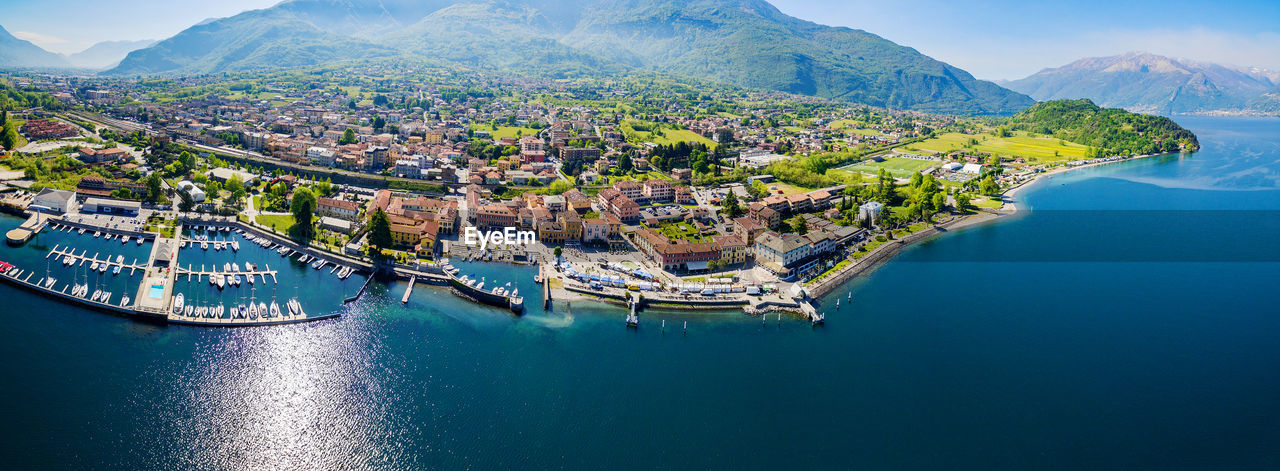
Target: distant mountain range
16 52
1156 84
19 53
744 42
106 54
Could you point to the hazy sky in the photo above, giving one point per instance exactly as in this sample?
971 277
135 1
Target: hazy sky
993 39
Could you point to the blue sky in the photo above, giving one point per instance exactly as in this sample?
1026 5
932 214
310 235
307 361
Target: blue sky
993 39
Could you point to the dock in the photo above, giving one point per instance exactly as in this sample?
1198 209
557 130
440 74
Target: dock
62 254
202 274
408 291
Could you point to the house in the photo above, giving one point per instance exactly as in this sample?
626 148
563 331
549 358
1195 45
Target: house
337 208
971 169
870 209
733 250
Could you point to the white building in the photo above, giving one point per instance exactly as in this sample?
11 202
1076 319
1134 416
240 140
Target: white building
54 201
870 209
972 168
321 156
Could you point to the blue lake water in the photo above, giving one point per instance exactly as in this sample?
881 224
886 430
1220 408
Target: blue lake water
1006 346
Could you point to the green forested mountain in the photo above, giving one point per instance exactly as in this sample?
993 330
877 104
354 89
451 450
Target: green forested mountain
1110 131
743 42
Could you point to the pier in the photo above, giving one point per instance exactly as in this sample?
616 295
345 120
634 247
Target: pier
201 274
408 291
32 226
58 254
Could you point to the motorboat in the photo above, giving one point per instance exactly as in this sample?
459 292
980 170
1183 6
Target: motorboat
93 267
204 245
102 268
235 281
178 302
222 280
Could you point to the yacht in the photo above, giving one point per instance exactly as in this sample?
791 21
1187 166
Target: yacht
222 280
235 281
275 309
124 302
204 245
93 267
139 240
125 240
177 303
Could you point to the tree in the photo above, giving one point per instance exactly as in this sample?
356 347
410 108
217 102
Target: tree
303 208
380 230
155 193
348 137
962 202
624 163
9 137
235 187
558 251
378 123
798 225
731 207
186 202
211 190
988 186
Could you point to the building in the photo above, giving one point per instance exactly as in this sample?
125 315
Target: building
111 206
342 209
321 156
679 255
94 185
870 209
733 250
495 217
54 201
93 156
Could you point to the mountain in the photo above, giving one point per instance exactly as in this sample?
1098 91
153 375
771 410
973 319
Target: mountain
106 54
1150 83
745 42
1107 131
15 52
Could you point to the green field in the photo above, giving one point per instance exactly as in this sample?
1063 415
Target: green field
504 131
896 166
669 136
279 222
845 124
1034 149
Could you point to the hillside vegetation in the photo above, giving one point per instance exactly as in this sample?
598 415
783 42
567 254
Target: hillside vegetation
1108 131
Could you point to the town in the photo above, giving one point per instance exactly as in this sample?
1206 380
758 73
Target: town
630 189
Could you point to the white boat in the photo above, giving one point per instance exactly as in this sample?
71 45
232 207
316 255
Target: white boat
262 310
187 310
116 270
178 301
275 309
242 312
97 293
49 282
97 234
139 240
226 267
102 268
235 267
125 240
120 259
93 267
235 281
253 311
124 302
250 278
204 245
222 280
82 231
292 306
235 245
